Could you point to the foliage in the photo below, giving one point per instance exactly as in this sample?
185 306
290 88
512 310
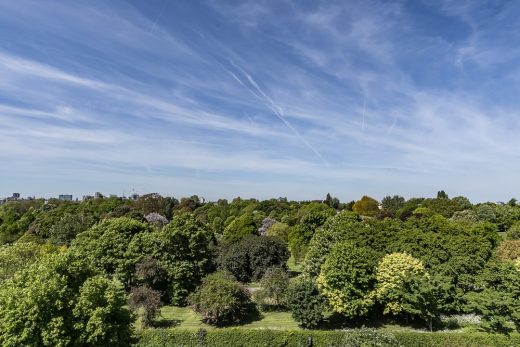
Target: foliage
422 297
267 223
366 337
106 245
273 292
508 250
497 296
514 231
280 230
221 299
301 234
251 257
70 225
367 206
234 337
156 219
325 238
306 304
240 227
61 302
392 203
146 300
391 274
347 278
19 256
182 249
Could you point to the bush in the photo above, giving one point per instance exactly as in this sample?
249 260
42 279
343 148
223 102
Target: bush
305 302
146 300
514 232
509 250
274 289
280 338
369 338
221 300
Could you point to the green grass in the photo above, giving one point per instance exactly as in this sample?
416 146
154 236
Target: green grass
185 318
294 267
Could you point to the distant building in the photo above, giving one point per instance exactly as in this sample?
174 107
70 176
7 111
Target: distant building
16 195
65 197
98 195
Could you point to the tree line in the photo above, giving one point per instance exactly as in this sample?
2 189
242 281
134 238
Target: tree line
81 273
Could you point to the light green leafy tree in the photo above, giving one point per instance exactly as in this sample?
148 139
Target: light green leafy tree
347 279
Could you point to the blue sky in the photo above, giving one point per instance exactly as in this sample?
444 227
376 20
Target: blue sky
260 99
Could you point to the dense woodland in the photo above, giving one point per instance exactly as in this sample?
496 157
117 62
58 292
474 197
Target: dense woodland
94 273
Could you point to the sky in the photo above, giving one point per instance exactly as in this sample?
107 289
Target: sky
260 99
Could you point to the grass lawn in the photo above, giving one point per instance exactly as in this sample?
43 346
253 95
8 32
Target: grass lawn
185 318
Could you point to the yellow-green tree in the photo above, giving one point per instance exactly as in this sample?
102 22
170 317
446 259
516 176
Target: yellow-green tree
367 206
391 273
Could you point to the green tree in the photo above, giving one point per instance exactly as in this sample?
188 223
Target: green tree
240 227
422 297
392 203
367 206
334 230
183 249
306 304
301 234
60 301
221 300
70 225
280 230
347 279
106 245
441 194
497 296
20 255
251 257
514 232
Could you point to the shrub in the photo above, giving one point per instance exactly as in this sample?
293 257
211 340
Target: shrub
514 232
284 338
305 302
509 250
146 300
369 338
221 300
274 289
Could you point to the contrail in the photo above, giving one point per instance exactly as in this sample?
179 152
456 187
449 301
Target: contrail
158 17
270 104
364 110
391 128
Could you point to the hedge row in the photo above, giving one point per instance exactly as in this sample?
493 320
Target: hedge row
280 338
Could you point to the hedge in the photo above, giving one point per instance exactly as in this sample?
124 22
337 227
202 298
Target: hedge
300 338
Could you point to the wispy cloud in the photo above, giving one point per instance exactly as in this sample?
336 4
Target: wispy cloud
253 98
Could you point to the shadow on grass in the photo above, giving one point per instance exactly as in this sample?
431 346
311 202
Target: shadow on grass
167 323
